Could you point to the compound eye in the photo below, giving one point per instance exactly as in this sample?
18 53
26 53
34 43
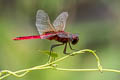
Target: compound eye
74 41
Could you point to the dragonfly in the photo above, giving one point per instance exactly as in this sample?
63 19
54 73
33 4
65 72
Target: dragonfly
53 31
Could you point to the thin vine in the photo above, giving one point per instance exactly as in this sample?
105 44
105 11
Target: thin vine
52 65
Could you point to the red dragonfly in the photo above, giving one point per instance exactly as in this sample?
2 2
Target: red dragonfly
53 31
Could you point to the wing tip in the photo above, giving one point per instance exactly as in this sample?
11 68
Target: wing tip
40 10
66 13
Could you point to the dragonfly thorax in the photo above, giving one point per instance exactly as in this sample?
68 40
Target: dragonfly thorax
65 37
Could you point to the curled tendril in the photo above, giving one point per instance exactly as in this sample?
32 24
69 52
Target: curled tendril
52 65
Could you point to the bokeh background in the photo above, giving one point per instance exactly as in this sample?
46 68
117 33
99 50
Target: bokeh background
96 21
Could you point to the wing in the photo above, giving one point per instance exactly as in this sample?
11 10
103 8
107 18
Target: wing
60 21
43 22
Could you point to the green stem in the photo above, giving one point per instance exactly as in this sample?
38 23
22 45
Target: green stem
51 65
84 70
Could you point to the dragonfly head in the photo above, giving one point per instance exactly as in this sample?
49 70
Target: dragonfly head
74 39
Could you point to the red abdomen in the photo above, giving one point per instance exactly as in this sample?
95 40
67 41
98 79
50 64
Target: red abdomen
27 37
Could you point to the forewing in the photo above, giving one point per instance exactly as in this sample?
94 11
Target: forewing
60 21
43 22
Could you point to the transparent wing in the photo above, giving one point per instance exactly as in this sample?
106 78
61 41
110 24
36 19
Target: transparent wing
42 22
60 21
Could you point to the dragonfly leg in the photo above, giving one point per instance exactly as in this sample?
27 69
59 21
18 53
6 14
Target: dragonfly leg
71 47
65 49
51 49
53 46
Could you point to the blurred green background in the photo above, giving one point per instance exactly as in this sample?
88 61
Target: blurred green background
96 21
